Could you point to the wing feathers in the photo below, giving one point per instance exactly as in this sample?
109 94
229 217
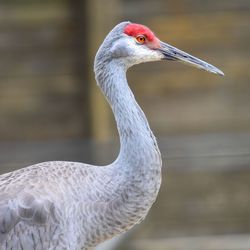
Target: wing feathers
24 208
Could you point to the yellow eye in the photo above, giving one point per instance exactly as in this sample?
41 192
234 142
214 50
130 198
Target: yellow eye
140 39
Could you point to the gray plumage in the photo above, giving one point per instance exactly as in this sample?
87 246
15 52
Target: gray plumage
70 205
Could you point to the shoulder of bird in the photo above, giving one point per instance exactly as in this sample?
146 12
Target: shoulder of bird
32 194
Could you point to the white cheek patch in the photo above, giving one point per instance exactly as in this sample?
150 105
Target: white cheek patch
132 52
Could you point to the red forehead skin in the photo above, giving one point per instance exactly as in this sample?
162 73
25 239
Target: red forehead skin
134 29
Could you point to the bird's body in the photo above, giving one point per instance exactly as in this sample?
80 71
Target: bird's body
76 207
73 206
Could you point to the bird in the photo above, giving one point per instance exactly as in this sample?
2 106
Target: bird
72 205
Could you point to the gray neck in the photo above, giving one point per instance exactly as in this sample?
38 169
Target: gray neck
136 138
139 159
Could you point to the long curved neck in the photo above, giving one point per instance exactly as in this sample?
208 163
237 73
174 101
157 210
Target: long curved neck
136 138
139 160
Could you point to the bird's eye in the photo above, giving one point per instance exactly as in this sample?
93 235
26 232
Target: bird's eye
140 39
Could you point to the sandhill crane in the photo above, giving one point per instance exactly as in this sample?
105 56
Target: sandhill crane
71 205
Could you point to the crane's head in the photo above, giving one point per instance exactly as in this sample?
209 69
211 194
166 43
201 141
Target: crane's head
132 43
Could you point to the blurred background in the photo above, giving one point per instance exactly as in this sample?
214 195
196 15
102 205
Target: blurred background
51 108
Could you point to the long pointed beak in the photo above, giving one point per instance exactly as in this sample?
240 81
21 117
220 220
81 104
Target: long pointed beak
171 53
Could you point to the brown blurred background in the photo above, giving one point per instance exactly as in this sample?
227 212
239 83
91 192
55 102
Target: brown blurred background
51 108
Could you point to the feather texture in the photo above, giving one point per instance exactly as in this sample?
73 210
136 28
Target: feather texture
73 206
